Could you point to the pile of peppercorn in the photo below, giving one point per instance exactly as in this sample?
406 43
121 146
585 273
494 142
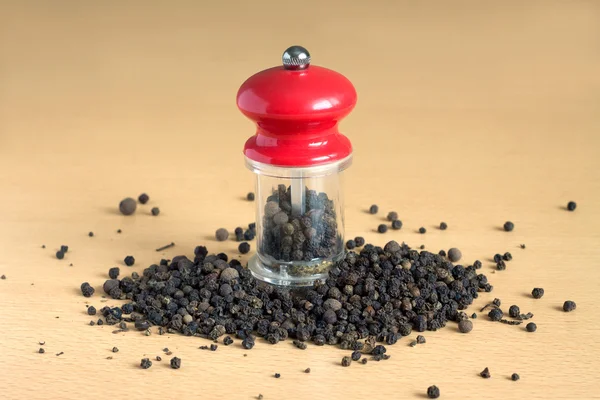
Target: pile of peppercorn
376 294
314 234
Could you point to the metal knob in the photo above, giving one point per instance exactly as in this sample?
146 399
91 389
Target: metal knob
295 58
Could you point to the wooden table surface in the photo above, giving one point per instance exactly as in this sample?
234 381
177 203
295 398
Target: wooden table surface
469 112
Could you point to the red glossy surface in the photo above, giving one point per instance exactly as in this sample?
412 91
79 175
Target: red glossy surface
297 114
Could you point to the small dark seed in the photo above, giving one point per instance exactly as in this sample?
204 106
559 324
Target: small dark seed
350 244
374 209
115 349
244 247
507 256
155 211
474 316
497 302
396 224
146 363
531 327
537 293
571 206
515 377
158 358
360 241
422 230
175 362
277 375
250 196
421 339
129 261
91 234
221 234
307 371
392 216
496 314
113 273
485 373
60 255
569 306
346 361
465 326
514 311
91 310
41 351
443 226
382 228
433 392
522 245
143 198
509 226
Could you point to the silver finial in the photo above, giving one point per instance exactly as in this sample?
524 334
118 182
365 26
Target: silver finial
296 57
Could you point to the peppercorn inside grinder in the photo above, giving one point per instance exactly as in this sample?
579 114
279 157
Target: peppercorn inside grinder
298 156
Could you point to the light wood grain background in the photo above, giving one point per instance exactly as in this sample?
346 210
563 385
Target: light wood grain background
470 112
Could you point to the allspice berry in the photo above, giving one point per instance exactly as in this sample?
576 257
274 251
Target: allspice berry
465 326
127 206
454 254
221 234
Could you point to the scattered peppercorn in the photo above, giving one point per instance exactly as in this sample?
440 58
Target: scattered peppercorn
91 234
382 228
421 339
227 340
442 253
422 247
356 355
523 246
413 343
396 224
509 226
41 351
87 290
507 256
422 230
485 373
496 314
307 371
115 349
537 293
60 255
119 231
91 310
129 261
244 247
514 311
155 211
350 244
3 277
531 327
497 302
465 326
146 363
248 342
277 375
221 234
127 206
571 206
374 209
392 216
250 196
515 377
175 362
443 226
364 361
143 198
454 254
569 306
239 234
113 273
360 241
158 358
43 246
497 258
433 392
299 344
346 361
474 316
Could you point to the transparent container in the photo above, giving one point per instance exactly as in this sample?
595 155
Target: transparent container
299 222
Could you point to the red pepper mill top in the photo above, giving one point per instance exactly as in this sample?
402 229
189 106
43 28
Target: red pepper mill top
296 108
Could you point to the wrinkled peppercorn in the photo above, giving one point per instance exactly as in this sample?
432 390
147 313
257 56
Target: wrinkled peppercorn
244 247
346 361
515 377
227 340
422 230
571 206
360 241
146 363
496 314
392 216
155 211
421 339
127 206
113 273
514 311
277 375
396 224
356 355
91 310
509 226
382 228
175 362
374 209
537 293
531 327
433 392
507 256
129 261
143 198
87 290
250 196
569 306
443 226
350 244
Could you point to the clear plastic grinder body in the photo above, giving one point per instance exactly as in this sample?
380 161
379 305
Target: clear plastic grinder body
298 156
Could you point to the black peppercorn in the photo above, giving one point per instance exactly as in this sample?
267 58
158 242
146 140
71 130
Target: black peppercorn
537 293
515 377
113 273
129 261
422 230
360 241
496 314
250 196
374 209
60 255
346 361
497 258
244 247
421 339
127 206
509 226
396 224
41 351
364 361
443 226
465 326
569 306
90 234
474 316
146 363
115 349
382 228
531 327
143 198
514 311
497 302
507 256
91 310
356 355
221 234
175 362
155 211
87 290
392 216
454 254
433 392
571 206
227 340
307 371
350 244
248 342
501 265
277 375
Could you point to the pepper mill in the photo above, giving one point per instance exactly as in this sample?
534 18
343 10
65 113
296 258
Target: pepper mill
298 156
